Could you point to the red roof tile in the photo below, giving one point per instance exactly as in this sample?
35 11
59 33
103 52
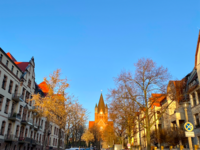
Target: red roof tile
43 86
22 65
11 57
91 124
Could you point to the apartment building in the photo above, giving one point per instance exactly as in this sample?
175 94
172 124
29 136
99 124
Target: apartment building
187 101
20 130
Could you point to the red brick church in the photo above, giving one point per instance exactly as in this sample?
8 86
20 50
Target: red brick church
101 115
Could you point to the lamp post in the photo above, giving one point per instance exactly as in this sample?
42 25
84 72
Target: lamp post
186 119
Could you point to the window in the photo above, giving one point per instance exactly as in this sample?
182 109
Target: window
197 120
54 130
20 110
1 57
16 90
7 63
31 134
26 132
23 93
12 68
42 124
194 99
1 101
17 73
9 128
4 82
3 127
27 96
22 131
29 83
7 106
17 131
10 87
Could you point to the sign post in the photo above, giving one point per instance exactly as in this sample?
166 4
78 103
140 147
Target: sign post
188 133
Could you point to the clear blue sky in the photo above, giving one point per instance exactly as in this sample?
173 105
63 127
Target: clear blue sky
93 40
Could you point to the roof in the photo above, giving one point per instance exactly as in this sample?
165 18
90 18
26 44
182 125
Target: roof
21 65
11 57
43 86
101 105
157 99
197 49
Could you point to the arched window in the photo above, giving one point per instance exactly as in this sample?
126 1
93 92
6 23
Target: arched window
17 131
9 128
26 132
3 127
22 132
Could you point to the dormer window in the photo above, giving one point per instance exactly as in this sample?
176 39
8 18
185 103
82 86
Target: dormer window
7 63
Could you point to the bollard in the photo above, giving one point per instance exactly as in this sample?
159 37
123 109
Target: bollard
162 147
196 147
155 148
181 147
170 148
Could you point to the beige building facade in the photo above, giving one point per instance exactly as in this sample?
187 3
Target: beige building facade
19 129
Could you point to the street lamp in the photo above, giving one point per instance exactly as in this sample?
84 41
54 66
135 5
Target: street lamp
185 105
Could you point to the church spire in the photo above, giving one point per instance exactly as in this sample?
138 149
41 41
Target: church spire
101 105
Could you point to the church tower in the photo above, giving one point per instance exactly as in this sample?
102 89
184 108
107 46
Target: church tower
101 114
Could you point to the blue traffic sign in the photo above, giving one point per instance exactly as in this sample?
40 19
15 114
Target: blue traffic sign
188 126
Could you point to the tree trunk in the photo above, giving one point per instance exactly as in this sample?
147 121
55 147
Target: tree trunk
46 135
59 138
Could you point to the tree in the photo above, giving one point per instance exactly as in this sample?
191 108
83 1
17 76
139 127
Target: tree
76 120
148 79
54 96
121 113
87 137
108 135
95 130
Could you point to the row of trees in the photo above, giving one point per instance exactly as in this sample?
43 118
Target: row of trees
131 102
58 107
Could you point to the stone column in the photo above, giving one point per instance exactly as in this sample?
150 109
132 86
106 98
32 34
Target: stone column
191 100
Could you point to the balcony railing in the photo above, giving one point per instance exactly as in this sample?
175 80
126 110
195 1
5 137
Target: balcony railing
33 142
35 126
22 140
30 122
24 122
10 138
17 97
14 116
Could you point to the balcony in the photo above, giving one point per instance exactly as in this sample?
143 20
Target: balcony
33 142
17 97
10 138
14 116
30 122
36 127
24 122
23 140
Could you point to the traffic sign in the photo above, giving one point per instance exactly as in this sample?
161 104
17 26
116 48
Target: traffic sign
189 134
188 126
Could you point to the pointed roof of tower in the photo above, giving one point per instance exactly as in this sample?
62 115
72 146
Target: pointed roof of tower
101 105
96 105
